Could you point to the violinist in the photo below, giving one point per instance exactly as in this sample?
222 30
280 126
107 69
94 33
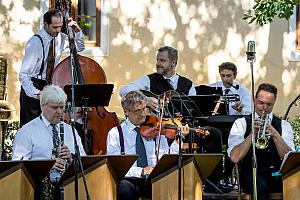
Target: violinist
42 55
166 79
134 185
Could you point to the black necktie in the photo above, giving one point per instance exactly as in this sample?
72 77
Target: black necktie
169 83
55 150
140 149
226 91
50 62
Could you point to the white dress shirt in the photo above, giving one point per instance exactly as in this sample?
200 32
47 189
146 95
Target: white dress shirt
143 83
239 127
34 140
114 148
33 57
245 97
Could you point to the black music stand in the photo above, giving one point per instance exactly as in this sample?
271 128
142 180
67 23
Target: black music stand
198 105
205 90
89 95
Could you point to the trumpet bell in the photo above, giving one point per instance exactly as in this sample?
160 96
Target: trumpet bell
262 143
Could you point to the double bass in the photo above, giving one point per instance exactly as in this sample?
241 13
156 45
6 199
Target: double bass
86 71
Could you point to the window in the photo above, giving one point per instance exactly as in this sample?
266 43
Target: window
87 14
92 17
291 49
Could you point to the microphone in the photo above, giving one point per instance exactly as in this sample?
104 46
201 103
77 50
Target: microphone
237 86
251 51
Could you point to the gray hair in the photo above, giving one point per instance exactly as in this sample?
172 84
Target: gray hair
54 94
131 98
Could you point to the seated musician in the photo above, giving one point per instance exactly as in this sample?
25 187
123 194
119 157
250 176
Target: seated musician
228 73
39 138
269 156
134 184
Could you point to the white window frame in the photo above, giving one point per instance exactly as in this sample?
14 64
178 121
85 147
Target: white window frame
101 51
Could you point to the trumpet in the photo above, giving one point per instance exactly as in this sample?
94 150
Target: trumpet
262 139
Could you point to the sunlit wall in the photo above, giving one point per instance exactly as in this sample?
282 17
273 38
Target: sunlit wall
206 33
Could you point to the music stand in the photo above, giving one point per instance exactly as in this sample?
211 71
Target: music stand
205 89
90 95
199 105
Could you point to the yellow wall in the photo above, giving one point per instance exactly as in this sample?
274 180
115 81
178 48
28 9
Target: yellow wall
206 33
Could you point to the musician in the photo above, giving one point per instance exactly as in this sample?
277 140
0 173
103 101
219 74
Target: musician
165 77
36 139
228 73
268 159
134 184
42 55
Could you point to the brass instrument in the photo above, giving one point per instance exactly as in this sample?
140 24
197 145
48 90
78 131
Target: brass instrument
262 139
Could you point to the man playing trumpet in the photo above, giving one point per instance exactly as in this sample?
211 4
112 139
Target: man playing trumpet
279 136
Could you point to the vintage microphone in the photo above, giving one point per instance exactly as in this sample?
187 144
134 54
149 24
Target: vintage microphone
251 59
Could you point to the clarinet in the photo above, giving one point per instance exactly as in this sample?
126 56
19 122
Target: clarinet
62 139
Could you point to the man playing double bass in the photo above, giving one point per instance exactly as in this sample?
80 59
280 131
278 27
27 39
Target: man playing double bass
42 55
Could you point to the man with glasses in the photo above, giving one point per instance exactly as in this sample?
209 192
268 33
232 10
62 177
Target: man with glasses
134 185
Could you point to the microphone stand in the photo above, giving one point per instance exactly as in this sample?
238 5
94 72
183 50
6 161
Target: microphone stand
77 158
251 59
180 162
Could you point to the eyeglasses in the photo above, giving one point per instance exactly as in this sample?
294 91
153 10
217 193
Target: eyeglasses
138 111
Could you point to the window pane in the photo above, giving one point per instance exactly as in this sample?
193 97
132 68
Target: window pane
87 18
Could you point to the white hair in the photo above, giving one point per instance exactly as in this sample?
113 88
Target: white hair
54 94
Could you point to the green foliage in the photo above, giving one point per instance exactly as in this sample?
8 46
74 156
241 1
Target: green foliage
296 127
264 11
11 129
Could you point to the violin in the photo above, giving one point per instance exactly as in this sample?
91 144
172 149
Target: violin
150 128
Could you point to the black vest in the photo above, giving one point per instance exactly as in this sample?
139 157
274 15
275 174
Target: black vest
267 159
159 85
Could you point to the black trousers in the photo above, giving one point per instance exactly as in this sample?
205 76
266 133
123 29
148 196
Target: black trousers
134 188
266 183
29 108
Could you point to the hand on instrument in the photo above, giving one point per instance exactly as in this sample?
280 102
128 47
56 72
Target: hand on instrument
38 95
147 170
74 25
184 130
152 103
238 106
65 154
59 165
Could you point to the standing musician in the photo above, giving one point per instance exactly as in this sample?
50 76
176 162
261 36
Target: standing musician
167 79
38 138
278 135
42 55
129 138
228 73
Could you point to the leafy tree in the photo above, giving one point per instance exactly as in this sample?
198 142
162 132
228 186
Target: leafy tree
264 11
